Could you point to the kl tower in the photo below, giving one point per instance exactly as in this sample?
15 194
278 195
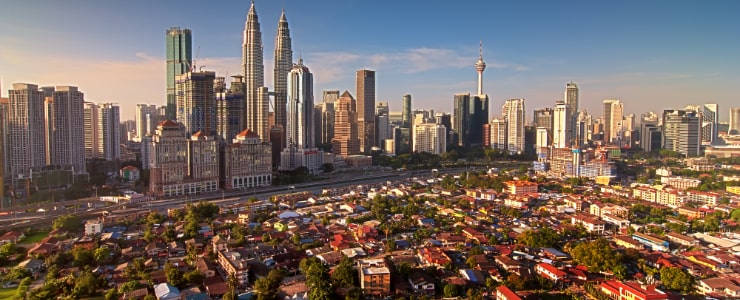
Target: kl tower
480 66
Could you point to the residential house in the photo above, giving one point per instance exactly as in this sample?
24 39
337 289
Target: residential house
421 282
504 293
165 291
550 272
12 236
205 267
176 249
592 225
718 287
651 242
618 290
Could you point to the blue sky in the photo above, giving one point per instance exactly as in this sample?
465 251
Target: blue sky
652 55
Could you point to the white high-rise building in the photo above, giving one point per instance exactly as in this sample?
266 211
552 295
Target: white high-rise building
513 111
682 131
26 143
300 149
91 120
67 128
109 131
498 133
710 123
430 138
146 119
613 115
562 122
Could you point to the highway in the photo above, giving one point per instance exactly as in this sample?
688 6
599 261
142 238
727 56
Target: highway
45 218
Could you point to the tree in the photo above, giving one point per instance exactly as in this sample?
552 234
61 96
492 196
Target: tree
111 294
545 237
327 167
101 254
86 285
174 275
267 288
17 273
344 274
67 222
193 277
317 279
450 290
23 288
471 262
677 279
597 255
82 257
515 282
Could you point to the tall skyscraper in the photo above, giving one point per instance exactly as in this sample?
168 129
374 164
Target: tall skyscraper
146 119
300 149
480 66
561 130
613 114
366 109
179 61
406 112
90 123
710 123
346 141
26 144
196 107
544 118
571 100
253 69
682 131
327 115
430 138
230 109
734 121
68 135
469 115
109 117
497 130
513 111
283 65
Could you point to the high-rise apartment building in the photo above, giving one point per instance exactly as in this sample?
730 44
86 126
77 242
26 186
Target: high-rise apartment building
67 131
445 119
230 109
651 136
366 109
179 61
613 115
196 107
513 112
91 120
406 112
497 131
682 131
327 115
256 98
283 65
544 118
203 164
562 120
146 117
109 118
430 138
734 121
346 141
710 123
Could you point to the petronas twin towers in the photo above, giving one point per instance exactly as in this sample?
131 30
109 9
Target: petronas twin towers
257 96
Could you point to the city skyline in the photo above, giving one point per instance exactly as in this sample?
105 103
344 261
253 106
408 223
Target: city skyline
649 61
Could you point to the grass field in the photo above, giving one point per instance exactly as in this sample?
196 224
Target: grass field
34 238
7 293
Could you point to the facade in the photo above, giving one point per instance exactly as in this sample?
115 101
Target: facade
682 132
513 111
146 118
406 112
544 118
618 290
109 132
195 102
346 140
256 101
168 160
229 109
430 138
710 123
247 162
300 149
130 173
283 65
613 114
469 115
327 115
66 128
234 264
562 125
571 100
734 121
521 187
497 131
90 123
179 61
375 277
203 164
366 109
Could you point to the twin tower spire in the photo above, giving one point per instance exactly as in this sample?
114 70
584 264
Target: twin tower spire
257 96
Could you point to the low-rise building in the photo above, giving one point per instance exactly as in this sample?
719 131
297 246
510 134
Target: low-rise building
719 286
234 264
521 187
618 290
504 293
651 242
550 272
375 277
592 225
93 227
